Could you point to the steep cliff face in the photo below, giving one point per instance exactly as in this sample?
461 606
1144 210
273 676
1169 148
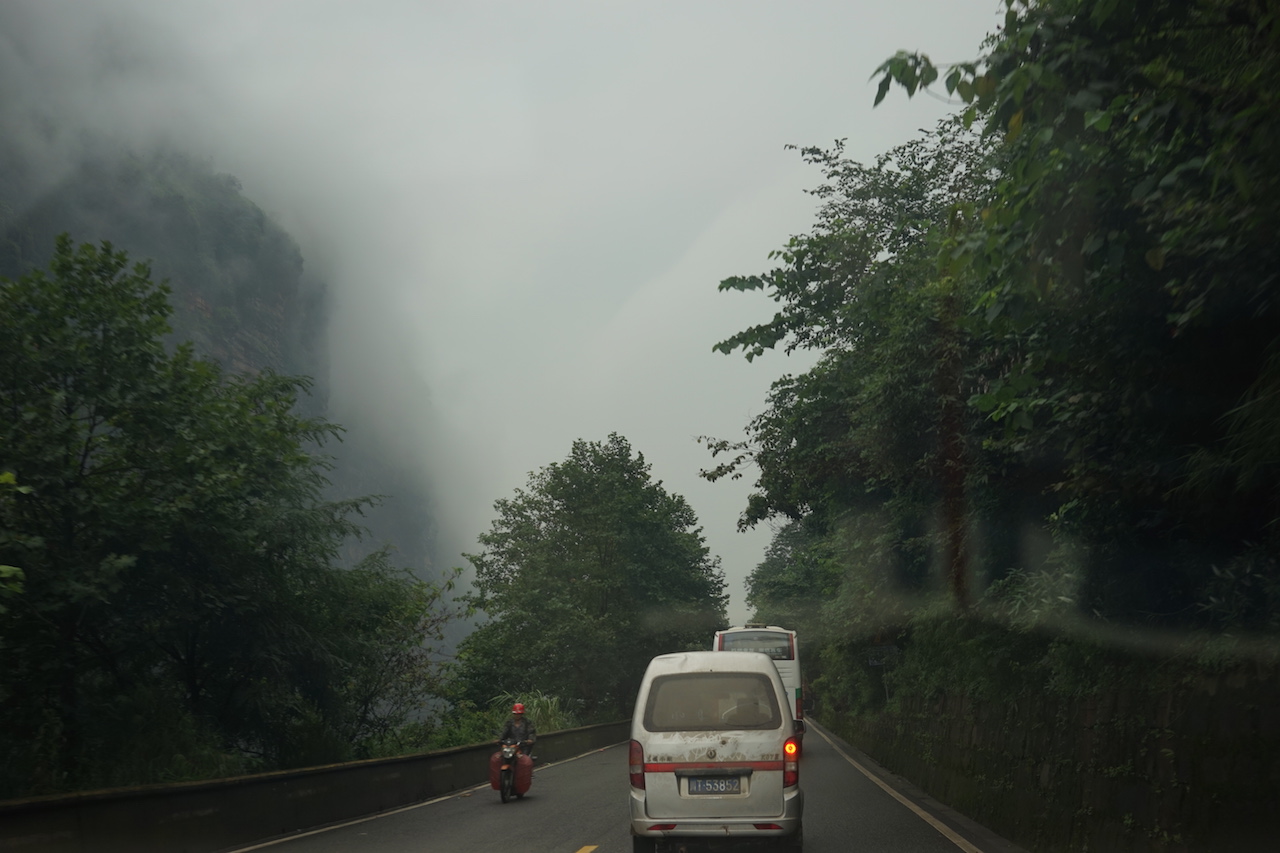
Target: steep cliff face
240 291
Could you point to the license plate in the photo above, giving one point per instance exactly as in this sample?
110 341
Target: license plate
715 785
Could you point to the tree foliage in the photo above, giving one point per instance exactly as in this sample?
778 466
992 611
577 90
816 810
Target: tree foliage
1062 424
874 447
1072 385
1127 284
181 611
586 573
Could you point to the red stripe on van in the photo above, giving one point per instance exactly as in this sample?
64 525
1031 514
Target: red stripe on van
672 766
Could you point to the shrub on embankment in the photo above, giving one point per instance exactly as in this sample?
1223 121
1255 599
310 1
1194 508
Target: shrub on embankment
1080 744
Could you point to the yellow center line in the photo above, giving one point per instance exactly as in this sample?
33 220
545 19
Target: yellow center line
947 831
587 849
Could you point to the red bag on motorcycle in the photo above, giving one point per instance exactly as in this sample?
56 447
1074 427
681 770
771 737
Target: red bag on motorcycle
524 773
495 770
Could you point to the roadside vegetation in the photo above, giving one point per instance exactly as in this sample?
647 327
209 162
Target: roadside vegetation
586 573
177 594
174 604
1038 453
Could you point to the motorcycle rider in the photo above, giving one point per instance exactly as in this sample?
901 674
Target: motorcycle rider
519 728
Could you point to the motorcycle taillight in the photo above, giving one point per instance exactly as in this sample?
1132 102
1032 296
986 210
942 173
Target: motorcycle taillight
635 760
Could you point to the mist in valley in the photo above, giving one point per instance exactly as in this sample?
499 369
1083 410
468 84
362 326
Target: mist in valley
507 222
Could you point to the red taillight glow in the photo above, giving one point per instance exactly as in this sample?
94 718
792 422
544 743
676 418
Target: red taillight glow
635 758
791 763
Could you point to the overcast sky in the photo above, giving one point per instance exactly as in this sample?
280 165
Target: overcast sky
523 208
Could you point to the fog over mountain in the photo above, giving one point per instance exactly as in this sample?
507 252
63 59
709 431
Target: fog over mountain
521 211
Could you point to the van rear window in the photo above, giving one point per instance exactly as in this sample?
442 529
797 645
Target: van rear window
711 701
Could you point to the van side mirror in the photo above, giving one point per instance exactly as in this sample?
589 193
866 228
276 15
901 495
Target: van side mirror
798 726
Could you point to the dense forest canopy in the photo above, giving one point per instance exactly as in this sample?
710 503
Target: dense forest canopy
224 296
1036 464
185 608
175 606
1048 348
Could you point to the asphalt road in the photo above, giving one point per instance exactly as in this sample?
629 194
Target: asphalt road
580 806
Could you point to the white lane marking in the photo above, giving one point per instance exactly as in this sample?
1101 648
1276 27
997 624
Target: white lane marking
460 793
275 841
946 831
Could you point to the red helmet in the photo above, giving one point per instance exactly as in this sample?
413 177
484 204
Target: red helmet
517 708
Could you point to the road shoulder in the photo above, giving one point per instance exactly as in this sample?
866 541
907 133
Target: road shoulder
978 836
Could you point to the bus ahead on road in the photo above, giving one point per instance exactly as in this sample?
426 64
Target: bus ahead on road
778 643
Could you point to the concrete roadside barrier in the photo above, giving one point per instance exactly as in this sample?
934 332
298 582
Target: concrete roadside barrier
202 817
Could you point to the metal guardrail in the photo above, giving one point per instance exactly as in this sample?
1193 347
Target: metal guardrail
205 817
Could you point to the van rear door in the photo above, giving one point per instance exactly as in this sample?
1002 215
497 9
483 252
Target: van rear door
714 746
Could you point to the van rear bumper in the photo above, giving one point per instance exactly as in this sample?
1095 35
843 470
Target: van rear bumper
787 823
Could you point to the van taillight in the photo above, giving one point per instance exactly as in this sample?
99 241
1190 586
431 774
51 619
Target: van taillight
635 758
790 763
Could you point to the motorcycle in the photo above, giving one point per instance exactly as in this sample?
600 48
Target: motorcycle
510 770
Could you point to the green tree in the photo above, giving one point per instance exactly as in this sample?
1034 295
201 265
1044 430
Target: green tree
790 584
586 574
875 445
182 613
1081 363
1127 287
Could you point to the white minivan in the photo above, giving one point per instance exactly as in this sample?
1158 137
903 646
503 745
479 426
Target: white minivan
714 751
